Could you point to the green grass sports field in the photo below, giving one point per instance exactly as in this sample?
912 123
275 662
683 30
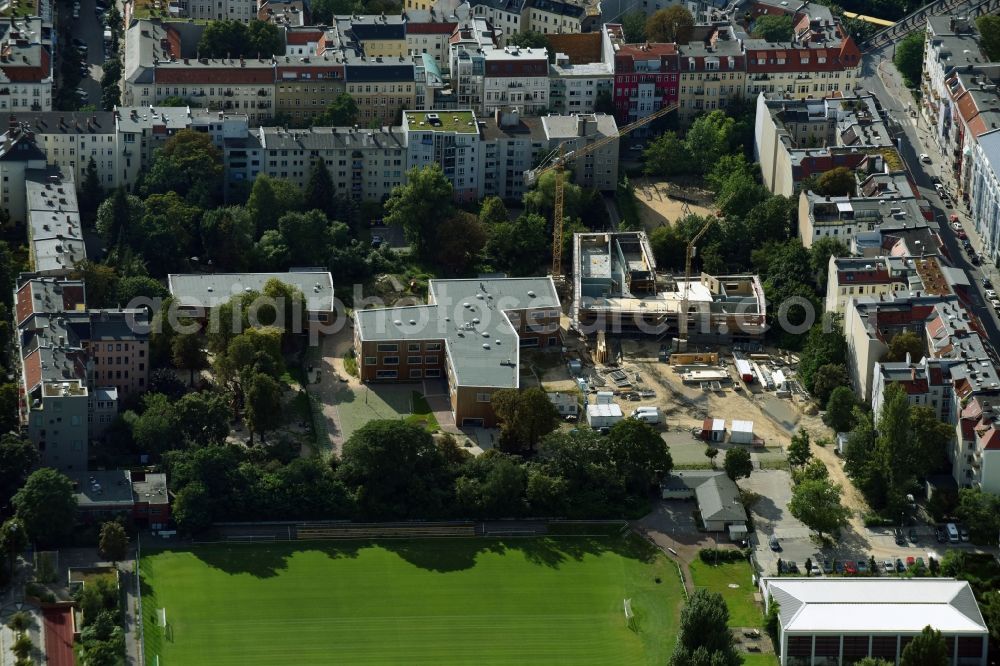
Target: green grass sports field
555 600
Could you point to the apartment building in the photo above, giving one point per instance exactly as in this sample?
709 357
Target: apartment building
516 77
559 16
974 97
55 232
513 145
712 73
794 139
26 64
364 164
428 33
597 169
575 88
382 88
70 139
843 218
834 620
950 45
450 139
303 41
976 455
820 60
616 288
647 76
372 36
467 61
75 366
307 85
284 13
470 334
218 10
849 278
19 154
984 202
506 16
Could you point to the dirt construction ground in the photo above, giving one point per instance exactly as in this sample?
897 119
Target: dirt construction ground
656 206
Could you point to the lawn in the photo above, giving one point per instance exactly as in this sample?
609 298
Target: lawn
743 610
381 401
448 601
422 415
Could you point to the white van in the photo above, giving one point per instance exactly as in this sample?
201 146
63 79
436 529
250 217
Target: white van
952 532
650 415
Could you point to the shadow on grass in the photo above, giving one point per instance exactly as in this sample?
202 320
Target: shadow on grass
438 555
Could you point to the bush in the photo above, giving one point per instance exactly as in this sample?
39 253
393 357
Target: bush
875 520
719 555
771 621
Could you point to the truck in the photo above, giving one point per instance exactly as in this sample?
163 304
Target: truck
650 415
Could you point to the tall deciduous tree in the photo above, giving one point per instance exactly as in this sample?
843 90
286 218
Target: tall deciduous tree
91 192
342 112
639 455
666 155
460 239
773 27
988 26
704 636
113 542
189 164
634 27
270 198
519 247
18 455
13 541
838 182
909 58
906 343
737 463
418 206
840 409
671 24
227 237
188 354
320 194
709 137
525 417
263 405
798 451
46 505
157 428
204 418
928 648
493 211
817 504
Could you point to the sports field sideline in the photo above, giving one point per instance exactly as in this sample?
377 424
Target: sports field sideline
540 600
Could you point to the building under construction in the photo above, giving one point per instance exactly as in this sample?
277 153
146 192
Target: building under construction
616 289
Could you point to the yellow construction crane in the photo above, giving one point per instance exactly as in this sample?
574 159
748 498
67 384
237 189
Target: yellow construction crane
692 248
557 162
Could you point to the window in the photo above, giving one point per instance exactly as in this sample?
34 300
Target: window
432 372
529 342
371 360
416 373
413 347
484 397
386 374
413 360
388 348
390 360
430 360
432 346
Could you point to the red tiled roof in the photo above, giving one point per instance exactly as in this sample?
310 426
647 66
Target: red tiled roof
644 50
990 439
914 386
221 75
968 429
29 74
32 370
302 37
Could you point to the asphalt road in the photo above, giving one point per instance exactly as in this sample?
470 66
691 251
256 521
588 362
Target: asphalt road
91 30
914 140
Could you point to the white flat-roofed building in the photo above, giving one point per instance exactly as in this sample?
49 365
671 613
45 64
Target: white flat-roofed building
841 620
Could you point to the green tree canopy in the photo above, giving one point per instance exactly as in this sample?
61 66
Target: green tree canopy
840 409
519 247
113 542
773 27
46 505
903 343
634 27
263 405
704 629
798 451
988 26
529 39
18 455
418 206
817 504
666 155
190 165
235 39
837 182
524 416
639 455
671 24
737 463
929 648
157 428
710 136
909 58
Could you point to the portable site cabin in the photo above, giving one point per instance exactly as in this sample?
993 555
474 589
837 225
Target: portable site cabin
713 430
567 404
742 432
603 415
605 397
698 376
744 370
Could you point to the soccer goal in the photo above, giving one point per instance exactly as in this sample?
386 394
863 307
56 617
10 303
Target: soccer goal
629 615
163 617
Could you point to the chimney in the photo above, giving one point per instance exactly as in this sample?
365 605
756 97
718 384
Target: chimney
581 126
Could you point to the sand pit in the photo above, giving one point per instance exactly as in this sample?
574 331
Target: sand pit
656 206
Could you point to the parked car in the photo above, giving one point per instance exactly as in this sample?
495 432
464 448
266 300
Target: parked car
964 531
888 567
940 535
815 571
987 283
995 303
773 543
925 158
782 566
79 43
793 567
82 94
920 563
900 567
862 567
910 561
913 536
838 567
974 258
961 234
849 568
827 566
991 293
900 538
936 180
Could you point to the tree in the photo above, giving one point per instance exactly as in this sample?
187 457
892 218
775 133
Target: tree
270 198
9 397
191 508
13 541
156 429
46 505
323 11
773 28
819 258
18 455
204 418
418 206
740 194
638 454
672 24
827 378
22 647
342 112
798 451
928 648
492 485
320 194
133 287
737 464
263 405
771 219
460 239
187 353
817 504
525 417
263 40
711 453
393 469
710 136
113 543
666 155
493 211
988 26
704 626
873 661
119 219
840 409
815 470
20 622
190 165
227 235
234 39
903 344
307 236
604 103
91 192
634 27
909 58
530 39
981 513
837 182
822 346
518 248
